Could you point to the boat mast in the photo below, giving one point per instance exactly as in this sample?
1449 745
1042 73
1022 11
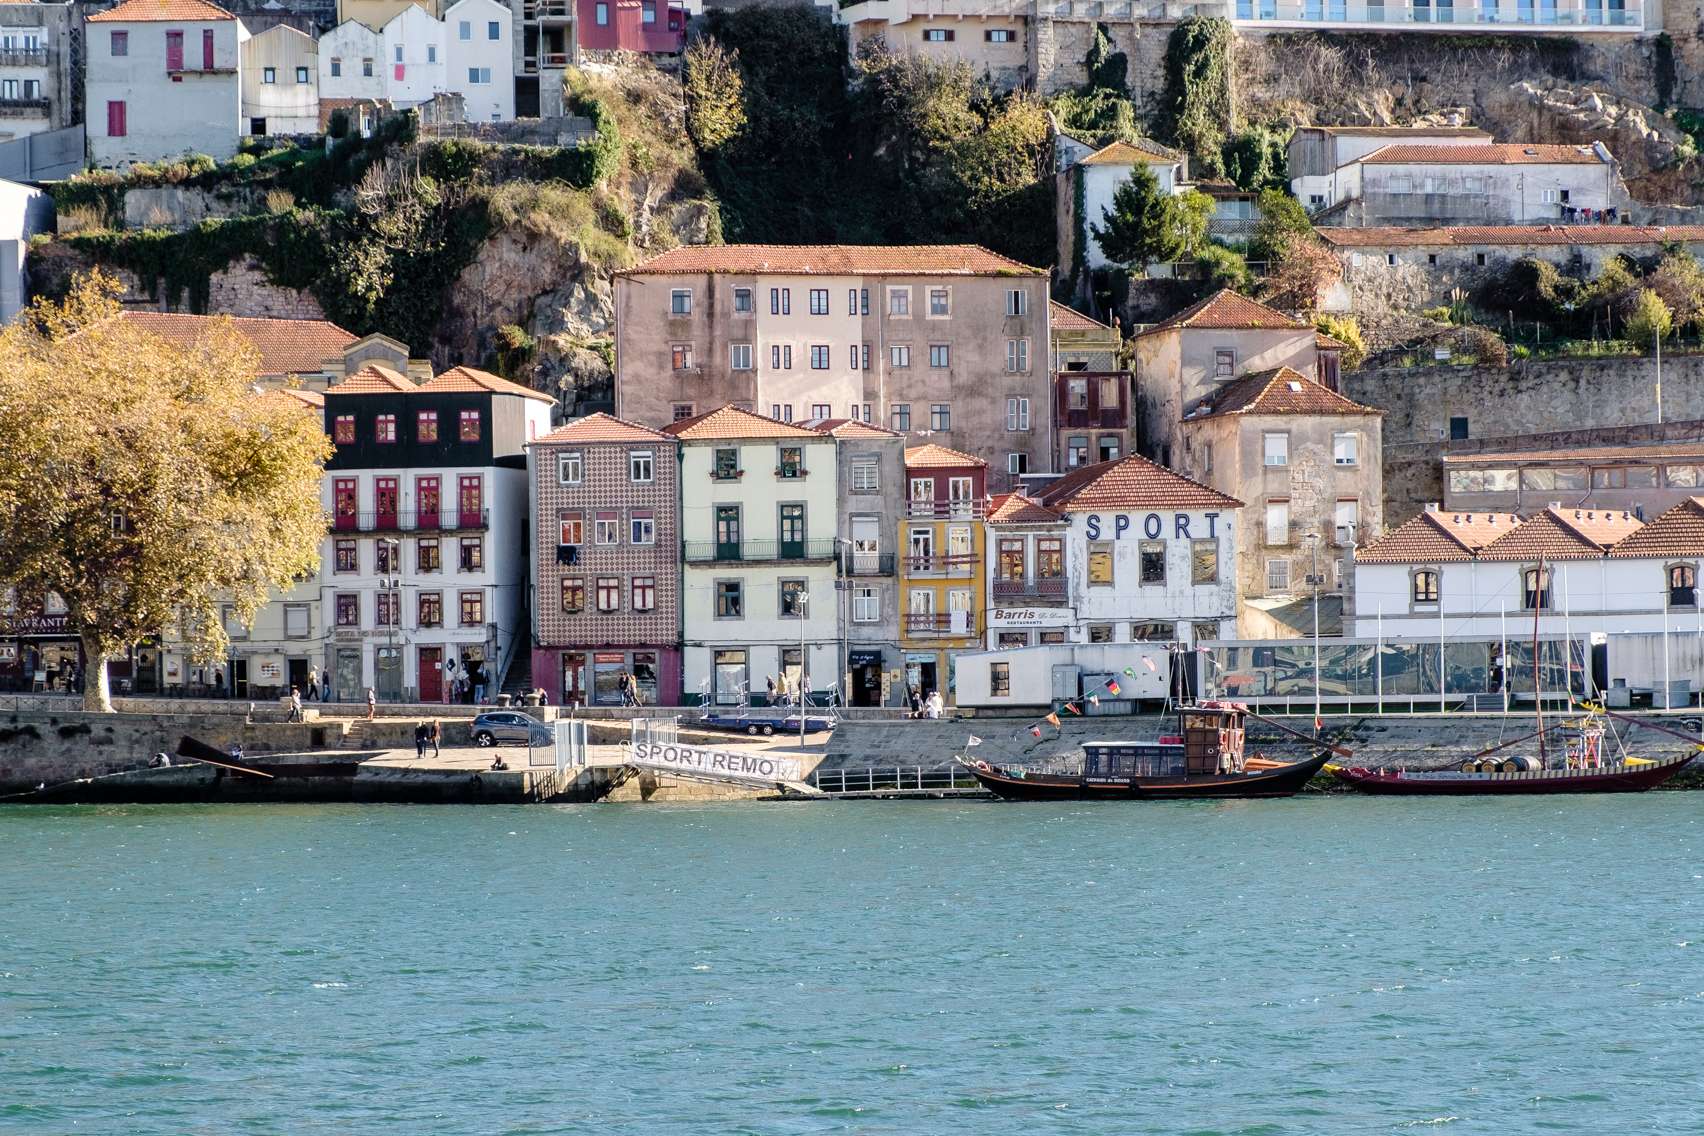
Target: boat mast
1538 589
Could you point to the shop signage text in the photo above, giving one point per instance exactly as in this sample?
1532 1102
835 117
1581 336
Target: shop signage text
1149 527
757 768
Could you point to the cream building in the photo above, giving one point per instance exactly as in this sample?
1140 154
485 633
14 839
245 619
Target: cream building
991 36
1100 173
1508 183
281 82
478 40
1316 153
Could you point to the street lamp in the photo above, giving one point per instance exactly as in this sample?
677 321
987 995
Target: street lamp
393 584
1313 578
804 600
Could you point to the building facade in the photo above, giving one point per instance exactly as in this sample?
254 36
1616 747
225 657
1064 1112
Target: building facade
281 82
1100 173
1316 153
605 563
758 509
942 546
1081 343
162 79
1029 597
645 27
990 36
36 69
24 212
933 341
1523 474
479 37
1508 183
1563 17
423 572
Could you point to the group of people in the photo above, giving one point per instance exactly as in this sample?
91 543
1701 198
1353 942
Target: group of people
629 686
782 691
427 734
933 706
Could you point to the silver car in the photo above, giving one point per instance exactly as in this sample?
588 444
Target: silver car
509 727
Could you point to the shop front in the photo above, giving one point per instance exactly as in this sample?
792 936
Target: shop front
39 653
1010 627
593 676
866 670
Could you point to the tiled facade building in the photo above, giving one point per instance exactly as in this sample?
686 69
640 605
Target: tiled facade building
941 553
606 562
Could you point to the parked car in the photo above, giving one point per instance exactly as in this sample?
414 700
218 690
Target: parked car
510 727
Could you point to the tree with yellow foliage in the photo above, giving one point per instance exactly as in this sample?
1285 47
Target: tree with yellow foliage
146 483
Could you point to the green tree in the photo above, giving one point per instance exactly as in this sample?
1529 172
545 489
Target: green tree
1106 67
1649 320
1281 215
715 94
1346 331
1679 282
1141 225
1224 268
1257 158
145 483
1190 213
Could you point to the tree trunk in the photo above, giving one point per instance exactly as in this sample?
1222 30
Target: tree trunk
97 691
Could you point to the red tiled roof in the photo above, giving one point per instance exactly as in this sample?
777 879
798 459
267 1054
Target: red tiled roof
1436 538
1405 131
1070 319
172 11
1224 310
1468 236
1020 509
1131 482
932 456
1326 343
471 380
1278 391
1678 532
1128 154
286 346
1489 154
374 378
601 427
1557 534
850 428
294 397
834 260
731 423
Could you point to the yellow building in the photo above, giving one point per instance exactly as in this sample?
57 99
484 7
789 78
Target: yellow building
941 587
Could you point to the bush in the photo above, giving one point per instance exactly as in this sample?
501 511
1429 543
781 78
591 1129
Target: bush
1649 321
1224 269
1346 331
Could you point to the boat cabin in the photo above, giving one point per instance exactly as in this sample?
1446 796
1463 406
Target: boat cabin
1210 742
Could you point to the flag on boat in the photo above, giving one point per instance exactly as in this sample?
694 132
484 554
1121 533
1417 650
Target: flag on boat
1053 720
1036 730
972 740
1319 723
1072 706
1147 662
1094 700
1113 688
1130 672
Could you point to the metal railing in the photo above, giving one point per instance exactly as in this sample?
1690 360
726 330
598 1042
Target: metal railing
1513 15
866 563
897 779
946 510
940 565
16 107
939 623
441 520
1051 588
749 551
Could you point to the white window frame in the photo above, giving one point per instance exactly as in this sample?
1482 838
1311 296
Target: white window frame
634 460
1017 356
866 604
739 356
1277 511
1017 414
570 467
680 302
1281 452
1346 440
866 474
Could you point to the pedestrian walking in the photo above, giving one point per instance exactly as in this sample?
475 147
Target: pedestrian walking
914 700
769 688
421 734
372 703
621 681
633 690
436 736
295 705
219 682
313 685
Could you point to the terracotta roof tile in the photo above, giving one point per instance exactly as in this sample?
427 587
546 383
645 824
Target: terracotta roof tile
601 427
1131 482
731 423
286 346
1278 391
172 11
834 260
471 380
1469 236
1225 310
1405 131
1678 532
1021 509
1437 538
1561 535
1489 154
1326 343
850 428
1129 153
1070 319
374 378
932 456
292 396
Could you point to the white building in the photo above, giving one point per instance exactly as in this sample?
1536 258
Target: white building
479 38
1316 153
24 212
349 59
36 60
414 64
758 514
1103 171
1506 183
281 82
1501 17
161 79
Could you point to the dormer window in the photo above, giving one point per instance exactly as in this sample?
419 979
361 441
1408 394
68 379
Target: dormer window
384 428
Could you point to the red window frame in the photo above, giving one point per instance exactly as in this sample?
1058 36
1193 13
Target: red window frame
347 556
573 595
426 503
386 493
174 51
572 528
343 429
609 593
426 426
348 609
644 593
431 609
469 426
387 614
345 496
470 499
207 49
384 428
117 126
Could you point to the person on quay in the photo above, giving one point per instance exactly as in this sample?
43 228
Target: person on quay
313 685
295 705
436 736
372 703
422 733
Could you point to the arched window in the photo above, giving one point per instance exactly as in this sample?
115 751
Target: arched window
1535 589
1682 585
1425 586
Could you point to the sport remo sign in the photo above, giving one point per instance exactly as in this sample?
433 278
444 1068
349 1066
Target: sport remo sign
726 765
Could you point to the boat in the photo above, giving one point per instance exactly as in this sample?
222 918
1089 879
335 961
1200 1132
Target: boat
1205 759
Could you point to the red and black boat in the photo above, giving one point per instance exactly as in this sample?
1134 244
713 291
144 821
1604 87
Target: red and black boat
1205 759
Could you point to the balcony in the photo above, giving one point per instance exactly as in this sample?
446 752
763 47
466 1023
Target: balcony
940 565
940 623
946 510
1504 16
23 57
866 563
24 108
1049 590
756 551
548 11
447 520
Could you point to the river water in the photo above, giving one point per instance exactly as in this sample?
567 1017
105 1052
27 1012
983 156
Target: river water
1320 965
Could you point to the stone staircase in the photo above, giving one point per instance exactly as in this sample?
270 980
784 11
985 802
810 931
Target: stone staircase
519 680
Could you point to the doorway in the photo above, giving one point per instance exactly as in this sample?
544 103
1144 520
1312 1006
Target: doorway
431 674
387 665
866 675
921 675
298 672
348 674
573 679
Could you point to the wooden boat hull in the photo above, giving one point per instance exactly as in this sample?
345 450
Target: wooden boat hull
1612 779
1283 781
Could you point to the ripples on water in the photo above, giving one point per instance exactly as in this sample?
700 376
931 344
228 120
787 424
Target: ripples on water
1310 966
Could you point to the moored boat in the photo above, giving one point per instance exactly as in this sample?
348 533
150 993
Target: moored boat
1630 776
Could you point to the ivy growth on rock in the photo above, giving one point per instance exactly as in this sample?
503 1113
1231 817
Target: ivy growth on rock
1197 103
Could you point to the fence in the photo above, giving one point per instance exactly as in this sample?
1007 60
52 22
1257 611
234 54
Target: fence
47 156
898 779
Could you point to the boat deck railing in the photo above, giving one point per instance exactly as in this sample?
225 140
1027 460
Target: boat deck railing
897 781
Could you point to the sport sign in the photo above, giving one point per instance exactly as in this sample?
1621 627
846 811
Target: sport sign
757 767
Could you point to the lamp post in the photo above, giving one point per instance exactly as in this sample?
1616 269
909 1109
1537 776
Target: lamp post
804 602
1313 578
392 585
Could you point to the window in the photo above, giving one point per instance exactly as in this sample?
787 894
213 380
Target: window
739 356
1479 259
999 35
570 467
1017 355
819 301
1076 450
792 463
1345 448
366 68
399 52
1345 520
602 15
937 35
1424 586
730 599
573 595
426 426
642 527
780 301
866 605
1207 456
1276 448
725 464
1203 562
336 67
680 299
640 465
644 589
1100 564
387 614
120 43
609 593
866 473
571 528
680 356
606 527
470 426
472 554
821 410
1100 633
1152 554
940 355
1625 477
1682 585
1017 301
819 356
682 411
899 303
782 411
478 76
1153 631
426 555
269 74
385 558
493 30
1277 575
1225 363
472 609
648 12
900 416
1017 414
431 609
384 428
999 679
116 125
347 557
1017 463
793 599
742 301
1107 448
941 416
348 609
464 30
1535 589
1458 429
792 526
781 357
1076 394
343 429
1278 522
899 355
940 302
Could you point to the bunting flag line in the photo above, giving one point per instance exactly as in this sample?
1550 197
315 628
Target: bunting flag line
1130 672
1094 700
1052 719
972 740
1035 730
1149 663
1072 706
1319 723
1112 687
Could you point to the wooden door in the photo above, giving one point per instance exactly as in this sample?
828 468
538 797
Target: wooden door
385 501
431 674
